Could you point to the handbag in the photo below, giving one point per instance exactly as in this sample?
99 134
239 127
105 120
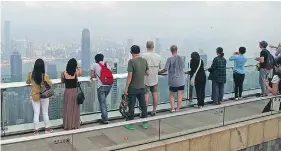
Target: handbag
123 107
80 94
46 90
272 105
192 81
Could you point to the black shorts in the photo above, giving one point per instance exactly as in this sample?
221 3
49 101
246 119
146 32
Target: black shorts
176 89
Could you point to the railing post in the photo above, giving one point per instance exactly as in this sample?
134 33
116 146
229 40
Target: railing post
3 122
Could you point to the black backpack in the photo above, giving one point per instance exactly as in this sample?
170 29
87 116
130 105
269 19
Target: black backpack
270 61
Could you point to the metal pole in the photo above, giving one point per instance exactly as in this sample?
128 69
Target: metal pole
3 123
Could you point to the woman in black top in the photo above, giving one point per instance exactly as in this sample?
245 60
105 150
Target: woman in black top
200 79
71 110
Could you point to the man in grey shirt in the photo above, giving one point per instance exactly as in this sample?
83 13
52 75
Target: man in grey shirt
176 78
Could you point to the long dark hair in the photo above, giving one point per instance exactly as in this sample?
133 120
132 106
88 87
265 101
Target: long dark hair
195 56
38 71
71 66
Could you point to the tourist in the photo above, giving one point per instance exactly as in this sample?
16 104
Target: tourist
103 88
176 77
135 88
71 109
274 89
36 78
278 50
263 66
273 85
239 71
200 77
151 81
218 76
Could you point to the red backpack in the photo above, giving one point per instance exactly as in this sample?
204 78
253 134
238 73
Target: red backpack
106 76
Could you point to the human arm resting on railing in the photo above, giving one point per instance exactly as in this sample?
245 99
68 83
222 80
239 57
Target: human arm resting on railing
28 79
78 71
47 79
167 66
128 81
213 66
92 74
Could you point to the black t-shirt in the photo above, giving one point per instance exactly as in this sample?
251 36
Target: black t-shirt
264 54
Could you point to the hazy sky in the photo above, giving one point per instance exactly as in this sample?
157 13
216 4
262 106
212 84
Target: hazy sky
222 23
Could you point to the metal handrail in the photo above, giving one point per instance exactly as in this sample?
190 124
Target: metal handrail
160 117
82 79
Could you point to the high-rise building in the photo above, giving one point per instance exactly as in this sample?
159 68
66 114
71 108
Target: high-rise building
30 51
52 70
114 92
7 38
85 49
22 47
16 66
158 46
203 56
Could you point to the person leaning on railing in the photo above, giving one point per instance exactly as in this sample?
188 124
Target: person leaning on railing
35 78
218 76
71 109
176 77
239 71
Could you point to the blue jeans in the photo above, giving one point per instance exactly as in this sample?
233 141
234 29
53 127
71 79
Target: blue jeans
217 91
133 95
103 92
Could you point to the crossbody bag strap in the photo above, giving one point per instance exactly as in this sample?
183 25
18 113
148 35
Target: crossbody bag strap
198 67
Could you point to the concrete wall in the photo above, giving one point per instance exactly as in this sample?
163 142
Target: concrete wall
228 138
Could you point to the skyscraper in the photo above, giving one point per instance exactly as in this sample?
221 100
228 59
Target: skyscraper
114 92
158 46
16 67
22 47
52 71
7 38
203 56
85 48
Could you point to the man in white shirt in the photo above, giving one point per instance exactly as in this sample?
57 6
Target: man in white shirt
102 90
151 81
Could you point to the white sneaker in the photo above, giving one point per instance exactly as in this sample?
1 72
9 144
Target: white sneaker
236 99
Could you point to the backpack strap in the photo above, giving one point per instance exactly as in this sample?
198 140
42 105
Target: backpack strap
103 65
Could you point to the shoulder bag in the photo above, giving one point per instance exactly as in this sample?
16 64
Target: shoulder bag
46 90
80 94
192 81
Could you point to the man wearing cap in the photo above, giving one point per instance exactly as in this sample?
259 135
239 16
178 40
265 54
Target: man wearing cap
264 72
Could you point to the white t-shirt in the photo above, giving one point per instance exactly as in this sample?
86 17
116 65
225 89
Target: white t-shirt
96 68
154 64
275 79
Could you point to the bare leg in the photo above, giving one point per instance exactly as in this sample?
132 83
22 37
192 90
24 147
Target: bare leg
155 101
179 100
172 100
147 98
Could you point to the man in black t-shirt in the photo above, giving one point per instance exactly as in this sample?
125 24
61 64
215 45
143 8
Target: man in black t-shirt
264 72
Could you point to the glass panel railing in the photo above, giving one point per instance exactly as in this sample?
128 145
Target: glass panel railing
17 112
115 136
